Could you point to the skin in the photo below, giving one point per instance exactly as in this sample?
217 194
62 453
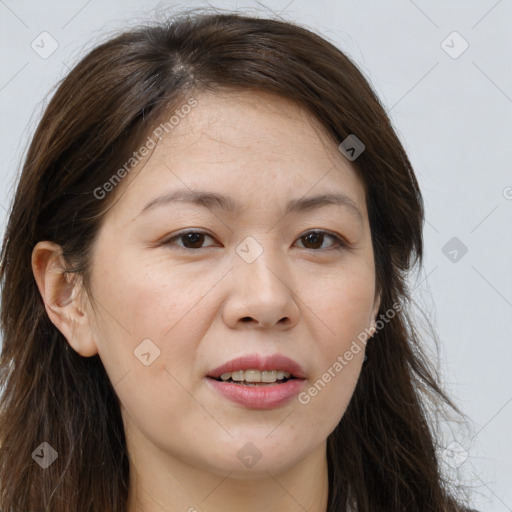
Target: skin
204 306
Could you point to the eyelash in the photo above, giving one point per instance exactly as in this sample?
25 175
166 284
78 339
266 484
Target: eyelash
338 245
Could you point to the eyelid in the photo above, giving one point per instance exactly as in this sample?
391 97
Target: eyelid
340 242
169 239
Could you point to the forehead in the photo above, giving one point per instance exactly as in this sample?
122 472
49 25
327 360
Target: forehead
252 120
244 144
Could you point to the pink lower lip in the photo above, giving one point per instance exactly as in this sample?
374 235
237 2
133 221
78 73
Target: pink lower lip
261 397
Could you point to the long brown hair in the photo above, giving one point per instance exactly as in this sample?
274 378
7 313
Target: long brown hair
382 456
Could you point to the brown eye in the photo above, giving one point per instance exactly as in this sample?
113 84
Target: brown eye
190 239
315 239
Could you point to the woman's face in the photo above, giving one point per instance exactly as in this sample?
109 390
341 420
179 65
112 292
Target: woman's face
246 281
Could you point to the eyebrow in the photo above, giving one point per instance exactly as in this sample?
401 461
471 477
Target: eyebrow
222 202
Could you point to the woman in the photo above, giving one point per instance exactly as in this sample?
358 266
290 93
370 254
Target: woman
214 218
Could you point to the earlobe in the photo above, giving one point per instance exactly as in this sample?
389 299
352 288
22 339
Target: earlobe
60 295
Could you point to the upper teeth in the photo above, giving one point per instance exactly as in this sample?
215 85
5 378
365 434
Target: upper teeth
256 375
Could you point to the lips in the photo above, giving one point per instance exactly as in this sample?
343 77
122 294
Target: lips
262 363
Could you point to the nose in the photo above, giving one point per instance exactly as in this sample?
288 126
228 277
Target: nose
261 295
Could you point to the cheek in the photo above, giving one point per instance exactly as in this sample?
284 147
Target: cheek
345 313
344 303
149 299
140 316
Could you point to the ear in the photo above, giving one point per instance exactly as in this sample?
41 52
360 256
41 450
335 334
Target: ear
61 295
376 306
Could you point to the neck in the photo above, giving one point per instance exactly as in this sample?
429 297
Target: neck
162 483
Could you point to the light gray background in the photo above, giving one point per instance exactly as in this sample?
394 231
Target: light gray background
454 116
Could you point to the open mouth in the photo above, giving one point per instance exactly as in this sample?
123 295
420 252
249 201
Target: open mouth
253 384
